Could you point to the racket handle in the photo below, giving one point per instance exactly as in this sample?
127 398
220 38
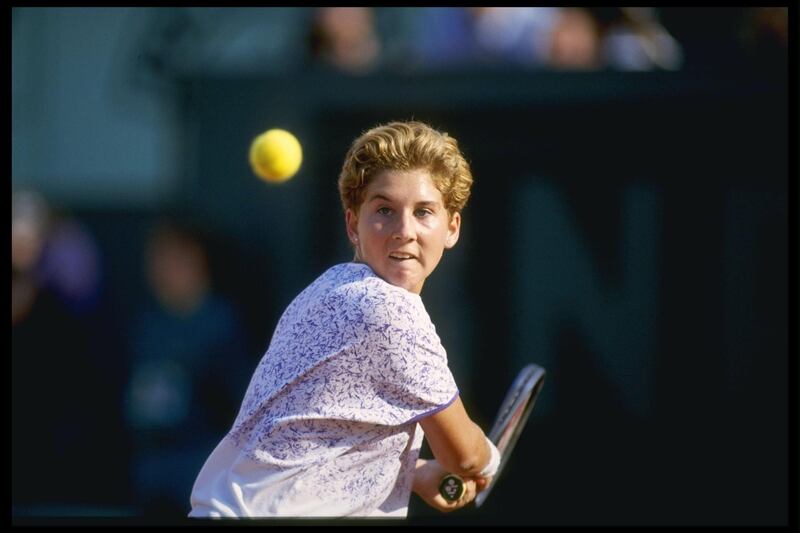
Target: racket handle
451 487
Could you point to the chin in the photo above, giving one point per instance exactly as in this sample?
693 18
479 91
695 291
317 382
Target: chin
406 282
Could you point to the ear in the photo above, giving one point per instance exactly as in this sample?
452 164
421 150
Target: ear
351 223
453 230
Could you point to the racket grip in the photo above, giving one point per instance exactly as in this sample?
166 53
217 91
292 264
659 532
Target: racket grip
451 487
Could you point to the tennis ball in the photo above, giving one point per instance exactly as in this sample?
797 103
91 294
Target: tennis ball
275 155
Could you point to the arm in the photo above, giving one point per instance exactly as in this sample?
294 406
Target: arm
457 443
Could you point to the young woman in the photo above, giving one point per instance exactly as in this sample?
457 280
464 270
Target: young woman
355 375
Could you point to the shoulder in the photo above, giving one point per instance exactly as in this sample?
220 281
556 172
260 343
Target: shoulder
376 300
351 297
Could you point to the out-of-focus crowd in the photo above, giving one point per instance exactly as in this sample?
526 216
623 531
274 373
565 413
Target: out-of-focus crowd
109 408
557 38
361 40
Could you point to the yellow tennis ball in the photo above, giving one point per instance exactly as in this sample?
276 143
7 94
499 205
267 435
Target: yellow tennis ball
275 155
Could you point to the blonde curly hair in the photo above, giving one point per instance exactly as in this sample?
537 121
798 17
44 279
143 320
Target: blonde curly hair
408 145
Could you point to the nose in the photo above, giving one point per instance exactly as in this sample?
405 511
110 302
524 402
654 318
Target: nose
404 228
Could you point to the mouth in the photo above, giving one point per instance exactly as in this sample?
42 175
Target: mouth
401 256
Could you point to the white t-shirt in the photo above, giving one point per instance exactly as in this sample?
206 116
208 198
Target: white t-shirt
329 423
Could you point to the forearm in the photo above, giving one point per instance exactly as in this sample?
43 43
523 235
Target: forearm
458 444
474 463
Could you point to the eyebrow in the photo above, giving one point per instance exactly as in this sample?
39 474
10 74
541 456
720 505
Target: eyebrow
379 196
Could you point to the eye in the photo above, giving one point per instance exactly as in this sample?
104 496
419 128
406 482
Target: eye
384 211
423 212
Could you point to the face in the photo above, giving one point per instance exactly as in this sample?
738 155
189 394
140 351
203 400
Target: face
402 228
177 272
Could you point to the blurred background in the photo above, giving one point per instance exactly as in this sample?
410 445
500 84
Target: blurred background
628 231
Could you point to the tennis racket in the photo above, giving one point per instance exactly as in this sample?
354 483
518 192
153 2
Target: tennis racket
508 424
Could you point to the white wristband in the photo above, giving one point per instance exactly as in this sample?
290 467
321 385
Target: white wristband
494 461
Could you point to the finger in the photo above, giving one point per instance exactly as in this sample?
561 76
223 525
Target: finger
483 482
470 491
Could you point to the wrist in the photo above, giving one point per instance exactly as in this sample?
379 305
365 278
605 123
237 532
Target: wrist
494 460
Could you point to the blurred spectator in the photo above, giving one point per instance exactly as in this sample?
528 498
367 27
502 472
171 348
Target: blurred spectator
345 38
188 373
71 266
62 398
458 37
51 251
514 34
30 219
569 38
634 39
765 37
575 41
443 36
628 39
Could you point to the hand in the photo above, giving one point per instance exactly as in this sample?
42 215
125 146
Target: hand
427 477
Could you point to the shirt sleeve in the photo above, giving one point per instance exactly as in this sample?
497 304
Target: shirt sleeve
410 375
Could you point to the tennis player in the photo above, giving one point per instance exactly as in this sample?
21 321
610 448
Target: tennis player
355 375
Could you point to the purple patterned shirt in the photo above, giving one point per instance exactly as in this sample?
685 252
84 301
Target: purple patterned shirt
329 419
